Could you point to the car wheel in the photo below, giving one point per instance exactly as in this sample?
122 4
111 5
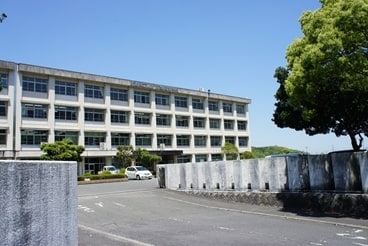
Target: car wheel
138 177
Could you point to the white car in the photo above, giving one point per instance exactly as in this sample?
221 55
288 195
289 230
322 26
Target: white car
111 169
138 172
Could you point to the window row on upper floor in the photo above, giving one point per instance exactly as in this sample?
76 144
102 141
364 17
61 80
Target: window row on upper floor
64 113
40 85
95 139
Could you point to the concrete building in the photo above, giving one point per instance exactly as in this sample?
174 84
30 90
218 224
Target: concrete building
41 104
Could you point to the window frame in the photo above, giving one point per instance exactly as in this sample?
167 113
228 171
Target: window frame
35 84
65 88
93 91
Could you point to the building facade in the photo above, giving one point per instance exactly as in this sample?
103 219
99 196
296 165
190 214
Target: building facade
41 104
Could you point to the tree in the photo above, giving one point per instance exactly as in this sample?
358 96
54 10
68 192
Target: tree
125 155
144 158
230 151
325 85
247 155
63 150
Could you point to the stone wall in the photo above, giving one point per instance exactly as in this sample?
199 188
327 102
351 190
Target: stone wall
38 203
338 172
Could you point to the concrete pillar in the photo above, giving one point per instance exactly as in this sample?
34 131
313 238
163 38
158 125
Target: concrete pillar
38 202
346 171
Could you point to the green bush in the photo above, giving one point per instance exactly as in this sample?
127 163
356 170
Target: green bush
101 176
105 172
122 171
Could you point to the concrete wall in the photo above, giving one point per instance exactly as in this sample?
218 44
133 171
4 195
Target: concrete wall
38 203
339 171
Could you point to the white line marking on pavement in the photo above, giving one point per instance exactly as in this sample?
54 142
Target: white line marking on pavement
269 215
100 204
86 209
113 236
119 204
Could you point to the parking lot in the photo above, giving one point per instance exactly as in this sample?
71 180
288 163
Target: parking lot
137 212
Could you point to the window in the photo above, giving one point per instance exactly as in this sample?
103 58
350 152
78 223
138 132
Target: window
118 94
200 158
4 80
230 139
91 114
200 141
227 107
119 116
65 88
182 121
163 120
34 111
216 141
199 122
143 140
240 109
163 100
183 140
141 97
93 91
60 135
243 141
229 124
34 84
66 113
164 139
3 134
94 138
181 102
213 106
3 108
216 157
215 123
33 137
184 158
242 125
197 103
120 139
142 118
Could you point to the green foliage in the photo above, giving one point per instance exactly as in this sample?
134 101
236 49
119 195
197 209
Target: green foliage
99 177
63 150
144 158
125 155
325 85
247 155
105 172
261 152
122 171
230 151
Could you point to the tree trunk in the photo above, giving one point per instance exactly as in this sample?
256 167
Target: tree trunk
354 142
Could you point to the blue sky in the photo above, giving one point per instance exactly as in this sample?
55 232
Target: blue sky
230 47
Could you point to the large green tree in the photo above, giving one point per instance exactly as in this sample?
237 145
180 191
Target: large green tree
63 150
325 85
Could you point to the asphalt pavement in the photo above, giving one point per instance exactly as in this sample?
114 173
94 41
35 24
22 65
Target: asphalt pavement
139 213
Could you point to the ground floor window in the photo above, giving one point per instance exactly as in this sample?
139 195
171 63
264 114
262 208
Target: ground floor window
201 158
216 157
184 158
93 164
3 134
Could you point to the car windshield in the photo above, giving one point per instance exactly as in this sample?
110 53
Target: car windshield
139 168
111 168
